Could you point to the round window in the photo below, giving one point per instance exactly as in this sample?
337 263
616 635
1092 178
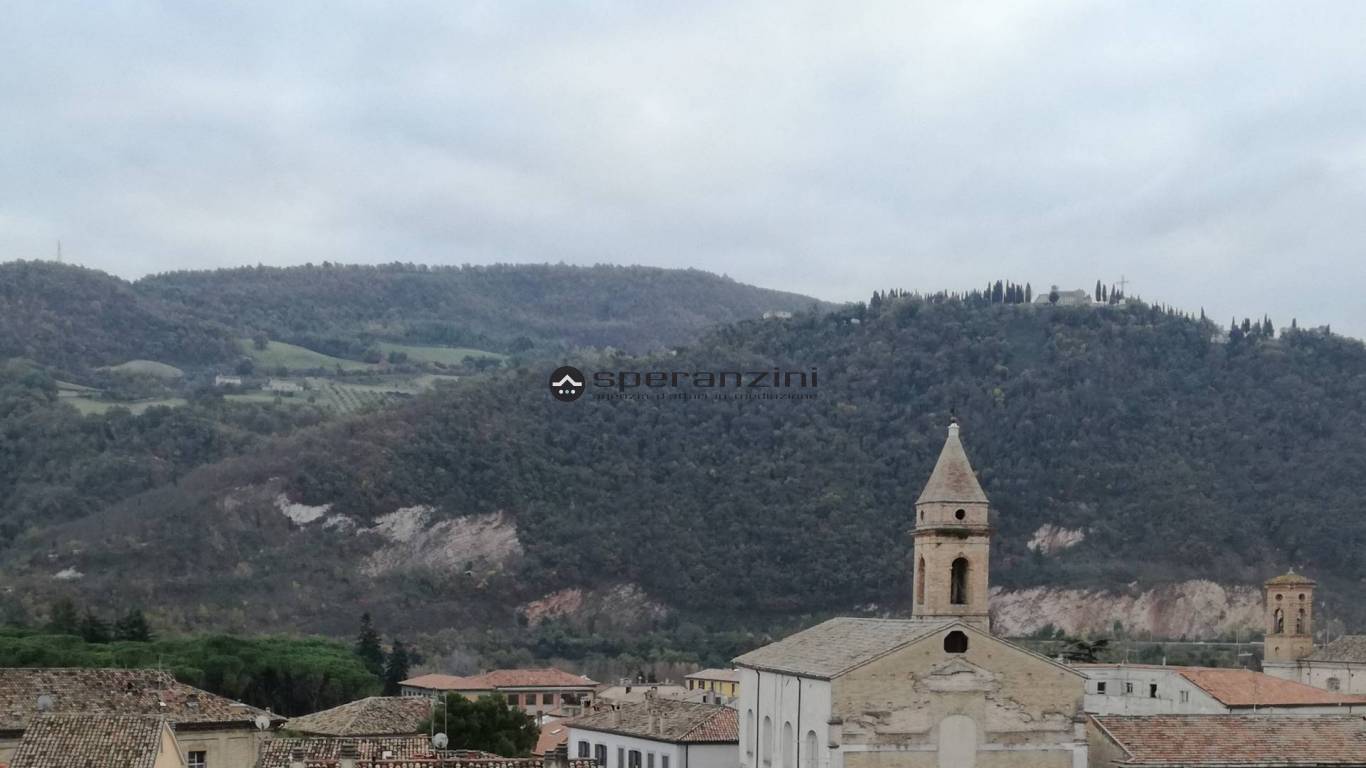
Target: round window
960 514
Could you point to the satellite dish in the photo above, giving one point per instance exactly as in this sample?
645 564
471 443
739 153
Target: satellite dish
262 722
440 740
45 702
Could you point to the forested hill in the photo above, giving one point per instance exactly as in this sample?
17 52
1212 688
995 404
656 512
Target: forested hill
1177 452
505 308
72 319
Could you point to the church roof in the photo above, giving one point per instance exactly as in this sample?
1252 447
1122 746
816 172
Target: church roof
1245 688
833 647
1188 741
1350 648
952 479
1290 578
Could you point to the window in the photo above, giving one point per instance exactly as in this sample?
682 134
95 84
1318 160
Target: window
1185 697
583 749
1280 621
514 699
621 757
813 757
1128 687
955 642
1100 688
767 755
663 761
749 733
650 760
920 582
958 584
789 747
633 759
960 514
1299 623
197 759
546 698
1334 684
1152 690
600 754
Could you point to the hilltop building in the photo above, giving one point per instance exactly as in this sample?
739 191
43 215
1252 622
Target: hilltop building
934 690
1339 666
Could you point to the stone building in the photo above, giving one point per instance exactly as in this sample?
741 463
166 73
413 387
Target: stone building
1289 653
934 690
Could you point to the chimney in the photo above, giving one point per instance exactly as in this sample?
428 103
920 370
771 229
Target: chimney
296 758
348 755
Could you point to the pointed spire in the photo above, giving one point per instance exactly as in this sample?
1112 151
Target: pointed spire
952 479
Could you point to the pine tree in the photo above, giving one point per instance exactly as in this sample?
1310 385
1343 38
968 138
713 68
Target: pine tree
1029 294
1099 291
63 619
395 668
93 628
368 646
133 626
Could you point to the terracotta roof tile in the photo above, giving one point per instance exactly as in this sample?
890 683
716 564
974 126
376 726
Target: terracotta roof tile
90 741
727 675
1349 648
326 750
552 736
113 692
438 682
675 722
1245 688
373 716
1234 741
544 677
1290 579
832 647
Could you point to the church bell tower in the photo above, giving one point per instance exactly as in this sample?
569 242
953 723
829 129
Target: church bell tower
952 541
1289 618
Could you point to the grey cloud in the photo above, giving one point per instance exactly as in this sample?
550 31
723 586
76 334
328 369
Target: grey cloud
1214 153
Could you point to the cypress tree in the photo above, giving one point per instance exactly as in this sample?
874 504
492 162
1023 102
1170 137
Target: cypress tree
368 646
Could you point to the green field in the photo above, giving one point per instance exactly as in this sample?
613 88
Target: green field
148 368
442 355
295 358
91 405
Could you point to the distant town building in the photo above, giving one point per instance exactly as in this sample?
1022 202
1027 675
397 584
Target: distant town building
1142 689
99 741
657 733
631 692
1076 298
211 730
227 381
282 386
725 682
777 314
543 690
1226 741
372 716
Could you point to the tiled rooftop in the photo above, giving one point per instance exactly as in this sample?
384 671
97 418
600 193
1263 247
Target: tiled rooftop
373 716
438 682
835 646
90 741
24 693
323 750
727 675
952 479
1245 688
544 677
674 721
1237 741
1349 648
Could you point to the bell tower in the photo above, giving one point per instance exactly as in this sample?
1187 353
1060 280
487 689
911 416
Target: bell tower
952 541
1289 618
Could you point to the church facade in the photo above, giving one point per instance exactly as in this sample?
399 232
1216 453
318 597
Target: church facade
935 690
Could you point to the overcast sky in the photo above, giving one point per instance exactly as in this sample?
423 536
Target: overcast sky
1215 154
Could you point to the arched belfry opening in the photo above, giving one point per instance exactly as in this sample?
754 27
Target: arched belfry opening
920 582
958 582
1280 621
